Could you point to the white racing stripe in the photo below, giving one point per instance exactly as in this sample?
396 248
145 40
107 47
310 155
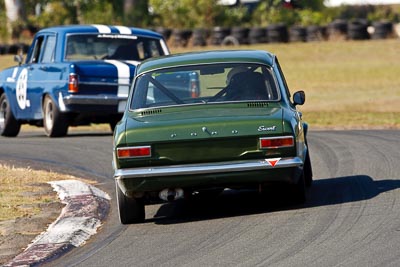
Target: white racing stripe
165 47
102 28
123 81
123 30
133 62
122 68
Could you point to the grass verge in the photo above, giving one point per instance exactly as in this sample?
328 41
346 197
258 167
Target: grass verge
21 191
28 204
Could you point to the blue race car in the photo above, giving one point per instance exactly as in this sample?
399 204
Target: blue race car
74 75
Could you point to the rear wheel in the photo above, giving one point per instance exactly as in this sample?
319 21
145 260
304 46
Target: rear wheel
299 190
9 126
308 174
54 121
113 123
131 210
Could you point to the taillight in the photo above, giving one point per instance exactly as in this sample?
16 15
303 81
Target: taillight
276 142
73 83
134 152
194 89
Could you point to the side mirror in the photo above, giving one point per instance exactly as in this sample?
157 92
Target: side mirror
299 98
19 59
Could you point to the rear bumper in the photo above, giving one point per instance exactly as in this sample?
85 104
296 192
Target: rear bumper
209 174
97 103
93 100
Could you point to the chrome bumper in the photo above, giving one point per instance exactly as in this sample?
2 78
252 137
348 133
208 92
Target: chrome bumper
93 100
208 168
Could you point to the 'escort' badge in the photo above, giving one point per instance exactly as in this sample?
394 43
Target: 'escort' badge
266 129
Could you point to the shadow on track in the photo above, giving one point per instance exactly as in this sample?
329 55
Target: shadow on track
232 203
69 135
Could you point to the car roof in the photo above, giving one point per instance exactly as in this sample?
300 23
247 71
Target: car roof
97 28
207 57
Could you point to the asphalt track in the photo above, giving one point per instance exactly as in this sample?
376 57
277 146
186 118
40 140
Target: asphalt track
351 217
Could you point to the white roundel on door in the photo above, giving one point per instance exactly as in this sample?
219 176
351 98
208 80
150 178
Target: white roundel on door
22 88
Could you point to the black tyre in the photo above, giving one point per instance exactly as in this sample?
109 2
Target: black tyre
299 190
54 121
9 126
113 122
316 33
166 33
357 30
258 35
382 29
277 33
298 34
200 37
218 34
181 37
337 29
241 34
230 40
131 210
308 173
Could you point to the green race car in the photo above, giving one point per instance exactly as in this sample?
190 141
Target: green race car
206 121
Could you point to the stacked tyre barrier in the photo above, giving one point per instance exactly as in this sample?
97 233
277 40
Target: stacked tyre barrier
278 33
200 37
13 49
337 29
258 35
298 34
357 30
166 33
316 33
382 30
181 37
219 34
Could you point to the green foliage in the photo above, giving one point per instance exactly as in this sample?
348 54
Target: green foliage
89 13
138 15
309 17
186 14
385 13
172 14
55 13
314 5
271 12
3 27
233 17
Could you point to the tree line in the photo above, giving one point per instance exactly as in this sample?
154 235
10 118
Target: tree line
20 16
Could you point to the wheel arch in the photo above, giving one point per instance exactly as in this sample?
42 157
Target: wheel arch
12 107
53 98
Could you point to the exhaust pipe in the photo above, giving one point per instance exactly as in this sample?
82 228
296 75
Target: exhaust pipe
169 194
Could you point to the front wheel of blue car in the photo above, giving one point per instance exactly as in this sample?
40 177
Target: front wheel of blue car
54 121
9 126
131 210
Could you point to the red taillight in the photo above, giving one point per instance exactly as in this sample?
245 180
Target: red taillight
73 83
134 152
194 89
276 142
